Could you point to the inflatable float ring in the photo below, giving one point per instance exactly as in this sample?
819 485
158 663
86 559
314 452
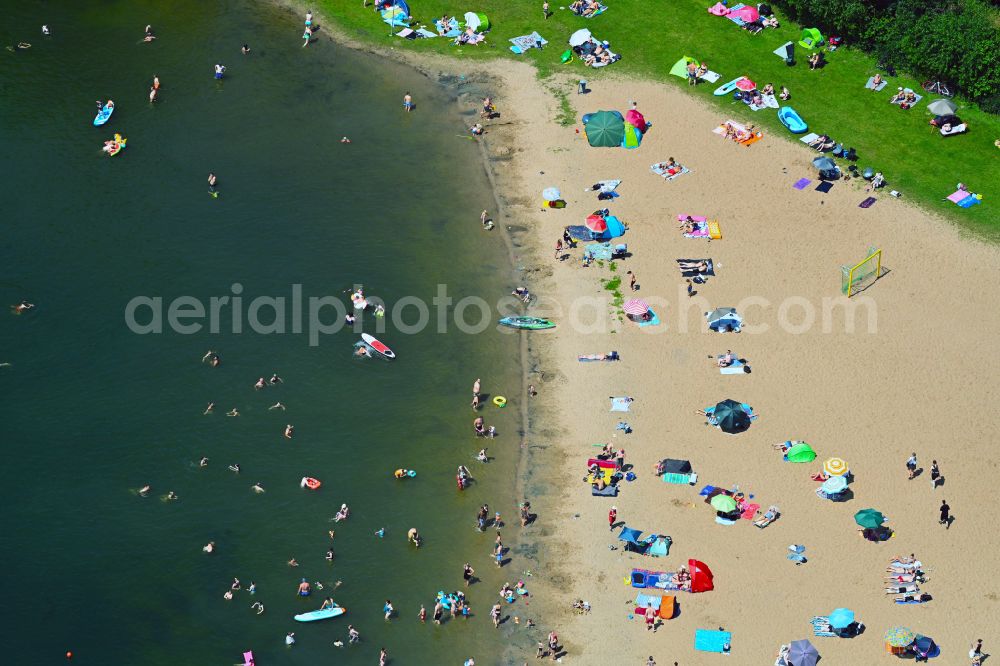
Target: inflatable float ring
500 401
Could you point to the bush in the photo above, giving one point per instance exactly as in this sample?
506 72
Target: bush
951 40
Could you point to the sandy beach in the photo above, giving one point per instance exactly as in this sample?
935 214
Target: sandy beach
904 368
906 373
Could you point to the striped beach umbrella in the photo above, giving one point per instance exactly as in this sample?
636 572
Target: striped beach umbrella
900 637
636 306
835 467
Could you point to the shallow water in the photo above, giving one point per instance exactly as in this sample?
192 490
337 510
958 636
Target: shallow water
92 411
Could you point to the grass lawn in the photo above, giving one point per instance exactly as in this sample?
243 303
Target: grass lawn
651 37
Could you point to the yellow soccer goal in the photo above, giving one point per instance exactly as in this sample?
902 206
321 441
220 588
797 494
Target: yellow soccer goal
861 276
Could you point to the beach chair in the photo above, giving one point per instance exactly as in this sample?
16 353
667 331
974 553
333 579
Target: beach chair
769 517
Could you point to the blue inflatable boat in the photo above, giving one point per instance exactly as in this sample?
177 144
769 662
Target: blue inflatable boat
791 120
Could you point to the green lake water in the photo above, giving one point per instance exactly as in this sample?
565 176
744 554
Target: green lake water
91 411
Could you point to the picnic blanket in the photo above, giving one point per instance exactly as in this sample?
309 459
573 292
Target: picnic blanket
964 198
527 42
736 19
600 10
668 174
454 31
706 640
621 404
915 102
871 80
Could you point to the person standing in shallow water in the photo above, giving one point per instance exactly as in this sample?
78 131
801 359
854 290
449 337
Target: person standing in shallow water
407 102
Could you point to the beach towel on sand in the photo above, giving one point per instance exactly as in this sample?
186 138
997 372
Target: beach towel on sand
669 174
871 79
712 641
701 225
620 404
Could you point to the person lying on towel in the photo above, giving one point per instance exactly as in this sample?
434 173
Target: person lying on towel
669 168
698 266
591 8
899 96
577 6
821 143
688 226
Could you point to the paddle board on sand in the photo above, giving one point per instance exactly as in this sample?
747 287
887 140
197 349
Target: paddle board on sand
378 346
726 88
316 615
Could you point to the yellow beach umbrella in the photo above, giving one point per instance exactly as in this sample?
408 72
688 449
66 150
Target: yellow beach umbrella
835 467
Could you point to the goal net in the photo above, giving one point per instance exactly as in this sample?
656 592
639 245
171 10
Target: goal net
860 276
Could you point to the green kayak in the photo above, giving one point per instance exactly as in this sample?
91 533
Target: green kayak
529 323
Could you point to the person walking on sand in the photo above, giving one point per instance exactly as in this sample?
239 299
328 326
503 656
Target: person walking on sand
911 465
407 102
935 474
559 248
631 281
612 517
945 514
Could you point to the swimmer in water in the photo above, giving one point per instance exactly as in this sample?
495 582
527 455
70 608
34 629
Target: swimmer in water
235 468
144 490
362 351
342 514
332 533
290 639
236 584
156 82
210 357
203 462
345 140
209 547
413 537
171 495
257 488
253 587
208 410
329 555
245 49
475 387
328 603
475 401
379 310
380 532
275 379
228 596
45 30
233 412
482 457
293 563
276 405
259 606
22 307
349 318
260 384
304 588
152 95
289 431
407 102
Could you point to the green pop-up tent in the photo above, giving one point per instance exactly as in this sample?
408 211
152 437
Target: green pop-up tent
680 67
800 453
605 129
811 38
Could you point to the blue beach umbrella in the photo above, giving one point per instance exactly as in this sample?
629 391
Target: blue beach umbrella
834 485
802 653
551 194
841 618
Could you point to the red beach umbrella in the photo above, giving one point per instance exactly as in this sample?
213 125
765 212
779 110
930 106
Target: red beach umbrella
748 14
636 306
597 223
746 84
635 119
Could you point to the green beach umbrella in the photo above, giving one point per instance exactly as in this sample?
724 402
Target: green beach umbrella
869 518
801 453
605 130
723 503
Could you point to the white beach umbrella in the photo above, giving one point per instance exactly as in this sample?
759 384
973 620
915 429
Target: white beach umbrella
581 36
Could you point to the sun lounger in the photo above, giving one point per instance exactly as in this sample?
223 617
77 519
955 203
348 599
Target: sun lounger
821 626
957 129
610 356
713 641
871 79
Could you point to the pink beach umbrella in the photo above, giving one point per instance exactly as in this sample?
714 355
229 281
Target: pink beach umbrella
597 224
635 119
636 306
746 84
748 14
